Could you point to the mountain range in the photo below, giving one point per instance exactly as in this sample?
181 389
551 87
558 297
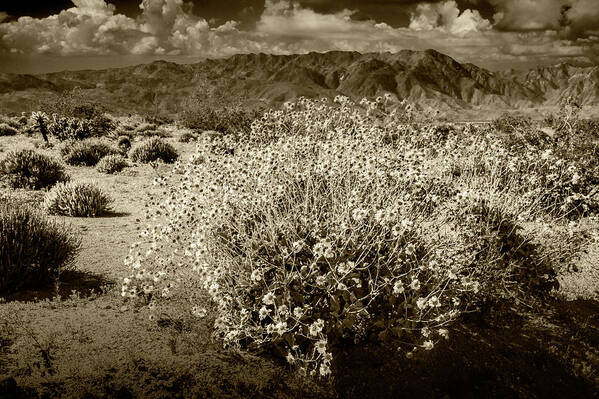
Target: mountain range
425 77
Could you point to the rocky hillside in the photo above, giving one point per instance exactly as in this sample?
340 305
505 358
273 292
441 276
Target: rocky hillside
426 77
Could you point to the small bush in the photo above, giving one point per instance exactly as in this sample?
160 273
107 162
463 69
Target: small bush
77 199
112 164
153 150
28 169
187 137
33 250
7 130
124 143
86 153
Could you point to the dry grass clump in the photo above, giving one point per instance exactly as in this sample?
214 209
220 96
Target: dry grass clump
112 164
152 150
29 169
77 199
33 250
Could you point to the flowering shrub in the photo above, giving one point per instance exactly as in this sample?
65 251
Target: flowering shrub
340 222
112 164
76 199
153 150
29 169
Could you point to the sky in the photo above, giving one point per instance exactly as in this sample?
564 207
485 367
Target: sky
39 37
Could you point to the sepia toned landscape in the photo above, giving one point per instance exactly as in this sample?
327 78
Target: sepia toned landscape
310 224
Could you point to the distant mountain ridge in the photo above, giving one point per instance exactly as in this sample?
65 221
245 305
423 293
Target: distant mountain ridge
426 77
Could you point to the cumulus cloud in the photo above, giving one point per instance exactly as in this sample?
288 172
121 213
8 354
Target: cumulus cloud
447 16
527 15
171 28
93 27
582 17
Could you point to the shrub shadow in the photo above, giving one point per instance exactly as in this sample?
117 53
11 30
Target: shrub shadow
111 214
498 358
71 280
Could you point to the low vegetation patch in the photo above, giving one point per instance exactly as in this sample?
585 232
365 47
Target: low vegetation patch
187 137
112 164
77 199
33 250
86 152
7 130
29 169
152 150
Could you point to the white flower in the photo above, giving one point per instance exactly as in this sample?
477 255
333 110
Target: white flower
298 312
398 288
269 299
415 284
256 276
199 312
421 302
324 370
290 358
263 312
320 281
316 327
321 346
444 333
434 302
428 345
280 327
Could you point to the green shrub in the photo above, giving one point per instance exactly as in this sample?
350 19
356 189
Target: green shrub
86 152
76 199
7 130
153 150
28 169
111 164
33 249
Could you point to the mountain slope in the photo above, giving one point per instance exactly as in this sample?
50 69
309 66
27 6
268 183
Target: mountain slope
418 76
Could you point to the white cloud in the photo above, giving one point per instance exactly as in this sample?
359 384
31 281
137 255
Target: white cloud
446 16
168 27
